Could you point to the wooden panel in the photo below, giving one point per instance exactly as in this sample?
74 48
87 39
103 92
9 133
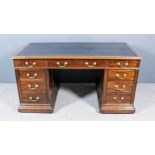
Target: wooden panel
37 97
30 63
32 75
118 98
119 86
121 74
83 63
32 86
101 88
122 63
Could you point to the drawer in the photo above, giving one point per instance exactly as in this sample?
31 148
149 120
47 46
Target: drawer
84 63
121 74
119 86
32 75
118 98
122 63
30 63
90 64
37 97
32 86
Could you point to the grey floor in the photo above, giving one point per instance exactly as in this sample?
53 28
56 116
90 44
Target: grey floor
77 102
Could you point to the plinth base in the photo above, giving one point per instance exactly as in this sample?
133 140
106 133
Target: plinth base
117 109
36 108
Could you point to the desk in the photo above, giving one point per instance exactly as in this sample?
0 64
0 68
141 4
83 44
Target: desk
40 67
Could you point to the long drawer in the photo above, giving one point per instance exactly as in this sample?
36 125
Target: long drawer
83 63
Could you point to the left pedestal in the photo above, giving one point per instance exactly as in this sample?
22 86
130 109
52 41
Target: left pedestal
36 88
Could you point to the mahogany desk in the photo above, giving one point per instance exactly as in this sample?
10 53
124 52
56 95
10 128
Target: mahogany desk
40 67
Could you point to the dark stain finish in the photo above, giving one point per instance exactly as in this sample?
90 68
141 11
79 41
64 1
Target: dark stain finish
41 67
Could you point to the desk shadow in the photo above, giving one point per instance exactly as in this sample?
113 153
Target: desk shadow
69 93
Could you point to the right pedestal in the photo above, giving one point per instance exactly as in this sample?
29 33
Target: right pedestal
116 91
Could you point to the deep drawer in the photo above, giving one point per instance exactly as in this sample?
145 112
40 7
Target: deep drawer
118 98
37 97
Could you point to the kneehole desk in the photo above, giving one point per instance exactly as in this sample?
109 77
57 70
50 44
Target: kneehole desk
40 67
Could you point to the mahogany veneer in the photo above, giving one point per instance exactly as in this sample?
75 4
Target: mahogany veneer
116 69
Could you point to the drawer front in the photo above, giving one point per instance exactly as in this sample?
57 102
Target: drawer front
121 74
37 97
118 98
84 63
119 86
30 63
61 63
32 75
90 64
32 86
122 63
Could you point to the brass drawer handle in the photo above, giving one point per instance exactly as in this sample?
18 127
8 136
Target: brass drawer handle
32 77
33 88
122 65
30 65
90 65
121 77
34 100
117 99
118 88
64 64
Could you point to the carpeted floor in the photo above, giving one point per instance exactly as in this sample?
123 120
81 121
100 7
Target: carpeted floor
77 102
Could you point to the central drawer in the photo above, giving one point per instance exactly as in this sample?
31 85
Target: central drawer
80 64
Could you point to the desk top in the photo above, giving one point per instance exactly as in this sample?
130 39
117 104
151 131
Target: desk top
77 50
